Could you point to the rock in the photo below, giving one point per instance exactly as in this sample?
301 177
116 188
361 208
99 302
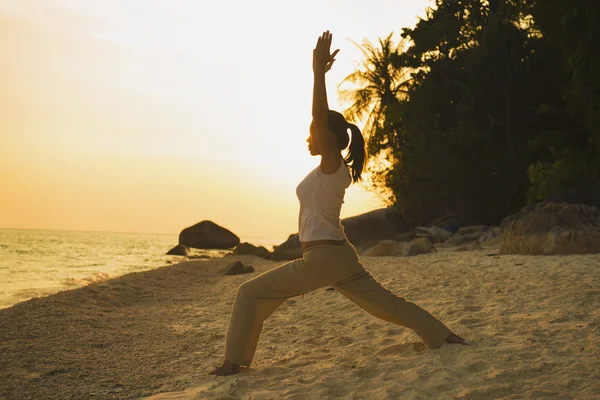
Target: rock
386 248
475 246
179 250
404 237
455 240
247 248
493 243
474 229
474 232
435 234
208 235
381 224
461 248
237 268
418 246
262 252
553 228
365 247
288 250
490 233
449 222
508 220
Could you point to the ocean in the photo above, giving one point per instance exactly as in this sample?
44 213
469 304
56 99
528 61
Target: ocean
36 263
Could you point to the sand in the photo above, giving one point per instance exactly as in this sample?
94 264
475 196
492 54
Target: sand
533 323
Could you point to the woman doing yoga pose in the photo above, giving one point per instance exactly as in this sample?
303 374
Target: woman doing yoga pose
328 259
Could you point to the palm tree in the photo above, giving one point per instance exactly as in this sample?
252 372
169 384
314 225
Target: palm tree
380 84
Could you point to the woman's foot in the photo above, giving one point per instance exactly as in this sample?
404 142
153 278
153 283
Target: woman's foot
228 368
455 339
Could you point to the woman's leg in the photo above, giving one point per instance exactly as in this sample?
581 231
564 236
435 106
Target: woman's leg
368 294
258 298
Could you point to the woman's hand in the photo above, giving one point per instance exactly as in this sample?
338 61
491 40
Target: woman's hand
322 59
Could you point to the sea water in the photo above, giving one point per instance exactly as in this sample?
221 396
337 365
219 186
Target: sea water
38 263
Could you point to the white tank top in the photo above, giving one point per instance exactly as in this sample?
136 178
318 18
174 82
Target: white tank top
321 197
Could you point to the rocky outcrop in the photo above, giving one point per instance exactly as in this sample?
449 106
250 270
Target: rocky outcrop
552 228
179 250
418 246
469 235
208 235
473 232
248 248
455 240
238 268
381 224
435 234
386 248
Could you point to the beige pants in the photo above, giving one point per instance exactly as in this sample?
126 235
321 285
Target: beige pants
320 266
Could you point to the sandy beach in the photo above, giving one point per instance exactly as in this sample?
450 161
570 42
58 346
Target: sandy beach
533 324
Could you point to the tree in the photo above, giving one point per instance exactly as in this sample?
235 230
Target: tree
376 90
494 102
571 170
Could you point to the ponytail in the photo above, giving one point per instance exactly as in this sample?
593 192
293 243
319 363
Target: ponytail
356 153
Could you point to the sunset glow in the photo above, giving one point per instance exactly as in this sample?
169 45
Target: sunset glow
149 116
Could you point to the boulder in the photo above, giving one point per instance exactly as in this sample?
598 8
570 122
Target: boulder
493 243
506 221
381 224
475 246
473 232
237 268
179 250
364 247
386 248
208 235
247 248
490 233
467 230
461 248
552 228
418 246
455 240
435 234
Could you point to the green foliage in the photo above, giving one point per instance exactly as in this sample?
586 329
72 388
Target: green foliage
493 103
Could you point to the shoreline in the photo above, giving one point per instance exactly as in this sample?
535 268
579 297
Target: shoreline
533 323
39 263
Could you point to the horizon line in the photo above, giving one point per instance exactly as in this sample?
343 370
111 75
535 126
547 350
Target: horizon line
105 231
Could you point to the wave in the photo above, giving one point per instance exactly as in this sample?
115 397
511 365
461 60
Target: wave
97 277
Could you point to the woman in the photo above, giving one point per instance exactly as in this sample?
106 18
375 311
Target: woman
328 259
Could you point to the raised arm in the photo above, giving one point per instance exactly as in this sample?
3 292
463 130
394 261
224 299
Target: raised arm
322 62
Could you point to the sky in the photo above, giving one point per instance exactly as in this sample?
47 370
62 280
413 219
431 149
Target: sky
152 115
